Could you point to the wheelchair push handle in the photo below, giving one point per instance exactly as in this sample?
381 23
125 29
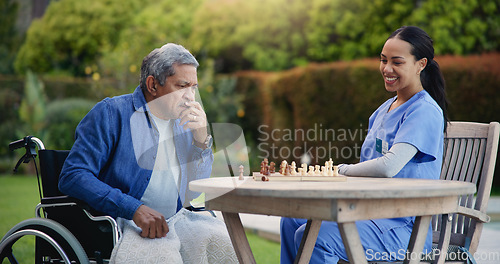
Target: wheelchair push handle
26 142
29 143
17 144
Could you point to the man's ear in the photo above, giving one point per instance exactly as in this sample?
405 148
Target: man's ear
151 85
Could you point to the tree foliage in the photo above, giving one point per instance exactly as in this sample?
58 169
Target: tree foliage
240 34
9 39
152 27
72 34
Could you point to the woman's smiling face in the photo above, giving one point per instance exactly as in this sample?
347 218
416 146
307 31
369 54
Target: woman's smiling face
399 68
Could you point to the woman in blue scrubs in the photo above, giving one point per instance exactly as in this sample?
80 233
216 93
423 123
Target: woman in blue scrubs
405 140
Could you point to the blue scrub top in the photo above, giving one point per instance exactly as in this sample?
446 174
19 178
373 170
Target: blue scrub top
419 122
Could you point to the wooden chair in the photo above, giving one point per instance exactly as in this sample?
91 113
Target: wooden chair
470 154
470 151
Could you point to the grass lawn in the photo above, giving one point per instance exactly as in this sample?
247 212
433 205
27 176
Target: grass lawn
19 196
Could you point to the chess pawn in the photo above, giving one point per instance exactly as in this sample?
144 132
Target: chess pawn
241 172
300 171
335 171
272 168
304 168
317 170
292 168
311 171
287 170
324 171
262 167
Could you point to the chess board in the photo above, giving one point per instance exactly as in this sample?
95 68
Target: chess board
257 176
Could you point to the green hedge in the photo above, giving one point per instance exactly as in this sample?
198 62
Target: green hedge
333 101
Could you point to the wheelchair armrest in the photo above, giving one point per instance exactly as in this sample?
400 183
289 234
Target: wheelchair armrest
199 209
92 214
66 200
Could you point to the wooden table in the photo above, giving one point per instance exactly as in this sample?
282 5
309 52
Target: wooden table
342 202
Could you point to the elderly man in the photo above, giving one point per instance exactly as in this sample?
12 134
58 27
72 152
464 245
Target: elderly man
134 156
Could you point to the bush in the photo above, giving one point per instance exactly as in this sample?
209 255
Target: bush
62 118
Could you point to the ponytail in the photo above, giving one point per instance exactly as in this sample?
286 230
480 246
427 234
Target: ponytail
433 82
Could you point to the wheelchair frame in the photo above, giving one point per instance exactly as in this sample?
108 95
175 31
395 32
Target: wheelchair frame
55 243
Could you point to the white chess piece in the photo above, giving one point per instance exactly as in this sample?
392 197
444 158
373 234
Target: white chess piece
241 172
316 170
292 168
283 167
311 171
304 169
327 168
330 166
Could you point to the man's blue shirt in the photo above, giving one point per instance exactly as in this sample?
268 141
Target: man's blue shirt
111 161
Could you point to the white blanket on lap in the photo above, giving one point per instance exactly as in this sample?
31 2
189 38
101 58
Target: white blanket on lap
192 238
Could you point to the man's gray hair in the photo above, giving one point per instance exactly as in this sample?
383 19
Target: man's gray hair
159 62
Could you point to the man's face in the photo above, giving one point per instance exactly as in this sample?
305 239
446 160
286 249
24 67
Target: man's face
179 89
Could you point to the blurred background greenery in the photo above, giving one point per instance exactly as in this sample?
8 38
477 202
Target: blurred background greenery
277 63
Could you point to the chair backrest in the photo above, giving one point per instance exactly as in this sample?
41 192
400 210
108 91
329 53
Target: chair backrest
51 163
470 151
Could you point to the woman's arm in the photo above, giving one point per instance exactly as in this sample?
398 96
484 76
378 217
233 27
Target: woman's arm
386 166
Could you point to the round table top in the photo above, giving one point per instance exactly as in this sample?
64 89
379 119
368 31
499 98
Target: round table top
352 188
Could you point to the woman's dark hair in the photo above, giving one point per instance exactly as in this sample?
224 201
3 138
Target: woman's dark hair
431 77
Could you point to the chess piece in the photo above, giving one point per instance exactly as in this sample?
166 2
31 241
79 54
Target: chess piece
292 168
304 169
311 171
272 168
241 172
283 167
264 166
287 170
300 171
316 170
330 168
324 171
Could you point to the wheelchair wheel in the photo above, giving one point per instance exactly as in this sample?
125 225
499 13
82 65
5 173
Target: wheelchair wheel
52 233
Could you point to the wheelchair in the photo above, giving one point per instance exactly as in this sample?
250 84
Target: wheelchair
66 230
